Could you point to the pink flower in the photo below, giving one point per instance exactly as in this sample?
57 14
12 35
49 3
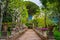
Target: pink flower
43 29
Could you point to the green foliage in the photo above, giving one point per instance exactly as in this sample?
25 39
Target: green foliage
24 15
9 33
52 7
28 24
0 33
57 35
32 7
12 7
40 21
7 18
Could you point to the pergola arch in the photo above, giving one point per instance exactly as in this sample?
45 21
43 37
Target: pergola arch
31 5
37 2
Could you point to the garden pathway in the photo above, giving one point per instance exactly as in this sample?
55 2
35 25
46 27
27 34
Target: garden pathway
29 35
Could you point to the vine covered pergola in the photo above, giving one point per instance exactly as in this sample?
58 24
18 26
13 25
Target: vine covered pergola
42 16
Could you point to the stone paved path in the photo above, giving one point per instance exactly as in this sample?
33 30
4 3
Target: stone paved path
29 35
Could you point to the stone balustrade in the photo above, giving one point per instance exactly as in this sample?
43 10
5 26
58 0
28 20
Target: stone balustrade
16 35
41 34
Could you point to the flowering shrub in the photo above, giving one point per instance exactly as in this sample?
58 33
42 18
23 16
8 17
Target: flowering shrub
43 29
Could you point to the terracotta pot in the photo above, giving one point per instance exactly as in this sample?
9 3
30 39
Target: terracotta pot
5 26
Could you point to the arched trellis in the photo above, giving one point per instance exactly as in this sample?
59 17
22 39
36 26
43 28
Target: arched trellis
31 9
30 6
19 14
37 2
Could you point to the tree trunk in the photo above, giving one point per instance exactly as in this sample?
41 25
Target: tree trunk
1 16
1 21
45 19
